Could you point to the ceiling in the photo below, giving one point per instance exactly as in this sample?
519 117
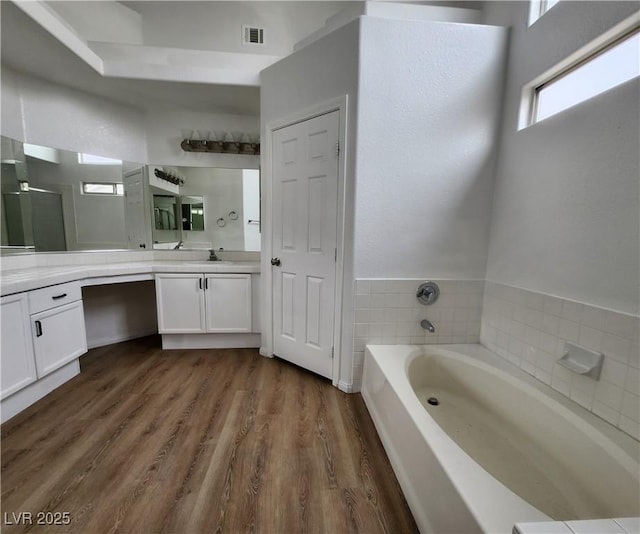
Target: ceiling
186 25
28 48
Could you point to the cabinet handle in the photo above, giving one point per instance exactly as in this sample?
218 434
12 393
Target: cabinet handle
56 297
38 328
200 283
206 283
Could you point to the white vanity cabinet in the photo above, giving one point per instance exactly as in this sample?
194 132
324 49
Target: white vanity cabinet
203 303
43 334
17 364
228 302
57 322
180 303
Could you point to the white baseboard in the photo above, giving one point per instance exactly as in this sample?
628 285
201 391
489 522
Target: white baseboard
347 387
210 341
264 352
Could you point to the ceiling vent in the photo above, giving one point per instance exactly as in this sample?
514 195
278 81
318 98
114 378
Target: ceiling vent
252 35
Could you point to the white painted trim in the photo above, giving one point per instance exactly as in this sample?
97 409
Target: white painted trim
264 352
347 387
339 104
210 341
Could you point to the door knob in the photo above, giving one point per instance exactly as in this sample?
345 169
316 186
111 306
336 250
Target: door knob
275 261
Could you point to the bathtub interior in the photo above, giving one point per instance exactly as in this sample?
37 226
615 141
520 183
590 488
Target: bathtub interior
528 442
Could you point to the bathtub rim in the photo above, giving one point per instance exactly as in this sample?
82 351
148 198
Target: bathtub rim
468 477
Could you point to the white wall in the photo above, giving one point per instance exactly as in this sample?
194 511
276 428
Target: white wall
325 70
44 113
428 116
39 112
164 130
566 212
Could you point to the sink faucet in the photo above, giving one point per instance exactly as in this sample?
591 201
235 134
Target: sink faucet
426 324
212 255
178 245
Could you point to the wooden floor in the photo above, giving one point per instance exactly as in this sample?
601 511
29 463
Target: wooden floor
146 440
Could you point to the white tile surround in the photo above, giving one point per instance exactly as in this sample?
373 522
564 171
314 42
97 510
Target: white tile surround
387 312
529 329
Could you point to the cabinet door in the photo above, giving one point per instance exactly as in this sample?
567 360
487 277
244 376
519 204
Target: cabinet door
17 364
180 299
228 299
58 336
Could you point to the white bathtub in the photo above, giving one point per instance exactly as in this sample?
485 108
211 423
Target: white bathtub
499 448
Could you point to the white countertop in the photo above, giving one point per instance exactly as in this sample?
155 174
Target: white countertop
18 280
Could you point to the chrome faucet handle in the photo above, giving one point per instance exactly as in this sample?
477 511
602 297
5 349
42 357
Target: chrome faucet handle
212 255
428 293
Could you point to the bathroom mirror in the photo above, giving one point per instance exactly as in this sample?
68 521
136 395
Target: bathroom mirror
219 208
165 215
192 213
15 208
58 200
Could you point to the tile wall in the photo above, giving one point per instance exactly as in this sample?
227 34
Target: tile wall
387 312
529 329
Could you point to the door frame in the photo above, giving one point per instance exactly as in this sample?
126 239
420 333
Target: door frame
339 104
146 203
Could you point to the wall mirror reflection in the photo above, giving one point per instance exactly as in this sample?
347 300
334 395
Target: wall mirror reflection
58 200
165 214
219 208
192 213
15 208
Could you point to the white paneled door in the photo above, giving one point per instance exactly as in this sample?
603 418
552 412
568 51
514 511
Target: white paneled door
135 209
305 199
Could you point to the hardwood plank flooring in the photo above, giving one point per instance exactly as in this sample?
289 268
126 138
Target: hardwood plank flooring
146 440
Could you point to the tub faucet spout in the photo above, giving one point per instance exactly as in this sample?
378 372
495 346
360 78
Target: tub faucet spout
426 324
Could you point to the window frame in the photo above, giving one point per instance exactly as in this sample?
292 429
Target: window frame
84 159
538 8
596 52
117 189
528 99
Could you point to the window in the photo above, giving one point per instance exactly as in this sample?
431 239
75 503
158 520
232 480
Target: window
603 70
608 61
538 8
95 188
90 159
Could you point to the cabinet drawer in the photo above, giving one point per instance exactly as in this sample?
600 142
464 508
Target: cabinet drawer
52 296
